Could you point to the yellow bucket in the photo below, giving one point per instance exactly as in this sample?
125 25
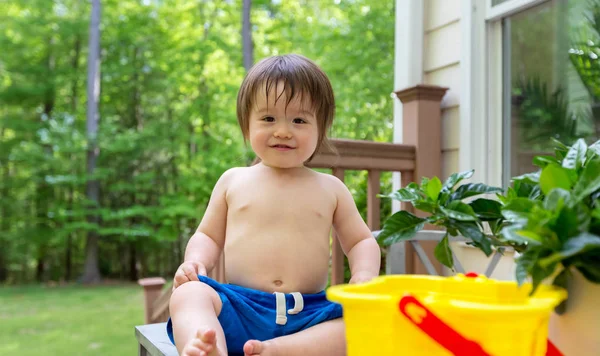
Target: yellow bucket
461 315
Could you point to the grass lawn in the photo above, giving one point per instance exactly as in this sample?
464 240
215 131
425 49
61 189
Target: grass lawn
70 320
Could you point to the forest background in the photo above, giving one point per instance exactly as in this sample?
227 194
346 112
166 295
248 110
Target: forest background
113 187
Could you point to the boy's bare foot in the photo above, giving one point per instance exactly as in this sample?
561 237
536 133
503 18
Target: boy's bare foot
204 344
258 348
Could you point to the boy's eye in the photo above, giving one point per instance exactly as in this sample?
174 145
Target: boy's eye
299 121
268 118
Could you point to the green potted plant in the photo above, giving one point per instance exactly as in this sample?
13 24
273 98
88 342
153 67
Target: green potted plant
555 214
458 209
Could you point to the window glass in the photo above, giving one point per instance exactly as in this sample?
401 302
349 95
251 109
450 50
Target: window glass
552 79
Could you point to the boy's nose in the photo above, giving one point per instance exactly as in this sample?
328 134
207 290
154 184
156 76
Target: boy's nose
282 133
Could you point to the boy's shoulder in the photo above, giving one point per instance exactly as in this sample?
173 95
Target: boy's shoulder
233 172
330 180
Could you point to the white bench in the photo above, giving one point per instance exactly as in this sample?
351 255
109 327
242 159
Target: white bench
153 340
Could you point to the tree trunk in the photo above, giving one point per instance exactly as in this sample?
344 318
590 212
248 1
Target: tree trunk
69 246
133 272
91 272
75 83
74 99
40 268
4 217
248 47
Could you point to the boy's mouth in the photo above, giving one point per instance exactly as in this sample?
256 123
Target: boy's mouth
282 147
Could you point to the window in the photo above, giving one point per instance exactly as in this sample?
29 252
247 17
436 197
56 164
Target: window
551 77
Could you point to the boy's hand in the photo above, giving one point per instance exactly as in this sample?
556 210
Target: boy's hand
187 272
361 277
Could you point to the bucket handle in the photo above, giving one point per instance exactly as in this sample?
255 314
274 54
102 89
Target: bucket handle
439 331
443 333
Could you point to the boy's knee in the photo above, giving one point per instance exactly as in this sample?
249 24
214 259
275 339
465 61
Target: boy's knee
194 292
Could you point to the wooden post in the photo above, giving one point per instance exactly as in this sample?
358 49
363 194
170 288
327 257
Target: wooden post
409 252
422 127
373 207
337 255
152 290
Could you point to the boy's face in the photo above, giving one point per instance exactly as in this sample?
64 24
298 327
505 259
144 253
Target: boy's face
282 137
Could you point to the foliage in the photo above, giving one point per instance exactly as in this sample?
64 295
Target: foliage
70 320
446 206
170 74
556 213
552 217
543 114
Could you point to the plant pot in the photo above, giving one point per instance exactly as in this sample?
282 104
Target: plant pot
577 331
473 259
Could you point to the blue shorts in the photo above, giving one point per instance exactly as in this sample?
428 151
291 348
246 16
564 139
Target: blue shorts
251 314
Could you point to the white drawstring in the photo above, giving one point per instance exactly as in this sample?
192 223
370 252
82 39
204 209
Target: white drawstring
280 305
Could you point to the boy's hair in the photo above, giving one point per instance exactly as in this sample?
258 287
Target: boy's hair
300 76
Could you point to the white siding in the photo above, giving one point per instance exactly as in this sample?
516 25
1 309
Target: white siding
439 13
449 163
451 129
448 77
441 66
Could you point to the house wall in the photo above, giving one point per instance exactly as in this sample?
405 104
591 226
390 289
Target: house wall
441 66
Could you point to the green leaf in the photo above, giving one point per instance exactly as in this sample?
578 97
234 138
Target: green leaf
554 176
404 194
487 209
443 253
569 223
516 234
543 161
496 225
560 149
433 188
459 211
589 266
595 148
538 274
473 232
528 266
531 178
536 193
400 226
562 279
455 178
582 243
472 189
425 205
596 213
524 264
556 199
589 181
575 156
518 209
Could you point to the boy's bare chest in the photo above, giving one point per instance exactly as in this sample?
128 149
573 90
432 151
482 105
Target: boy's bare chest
290 201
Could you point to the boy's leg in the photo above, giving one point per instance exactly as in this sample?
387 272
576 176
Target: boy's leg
194 307
327 339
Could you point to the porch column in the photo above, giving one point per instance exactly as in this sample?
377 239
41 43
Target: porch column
422 127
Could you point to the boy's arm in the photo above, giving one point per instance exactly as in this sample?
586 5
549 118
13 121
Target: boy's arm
355 237
206 244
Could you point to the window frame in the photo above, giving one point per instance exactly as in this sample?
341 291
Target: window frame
484 128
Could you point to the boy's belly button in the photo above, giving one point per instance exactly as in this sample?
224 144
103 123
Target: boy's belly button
277 283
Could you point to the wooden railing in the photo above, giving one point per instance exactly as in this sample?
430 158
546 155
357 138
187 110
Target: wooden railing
419 155
375 158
